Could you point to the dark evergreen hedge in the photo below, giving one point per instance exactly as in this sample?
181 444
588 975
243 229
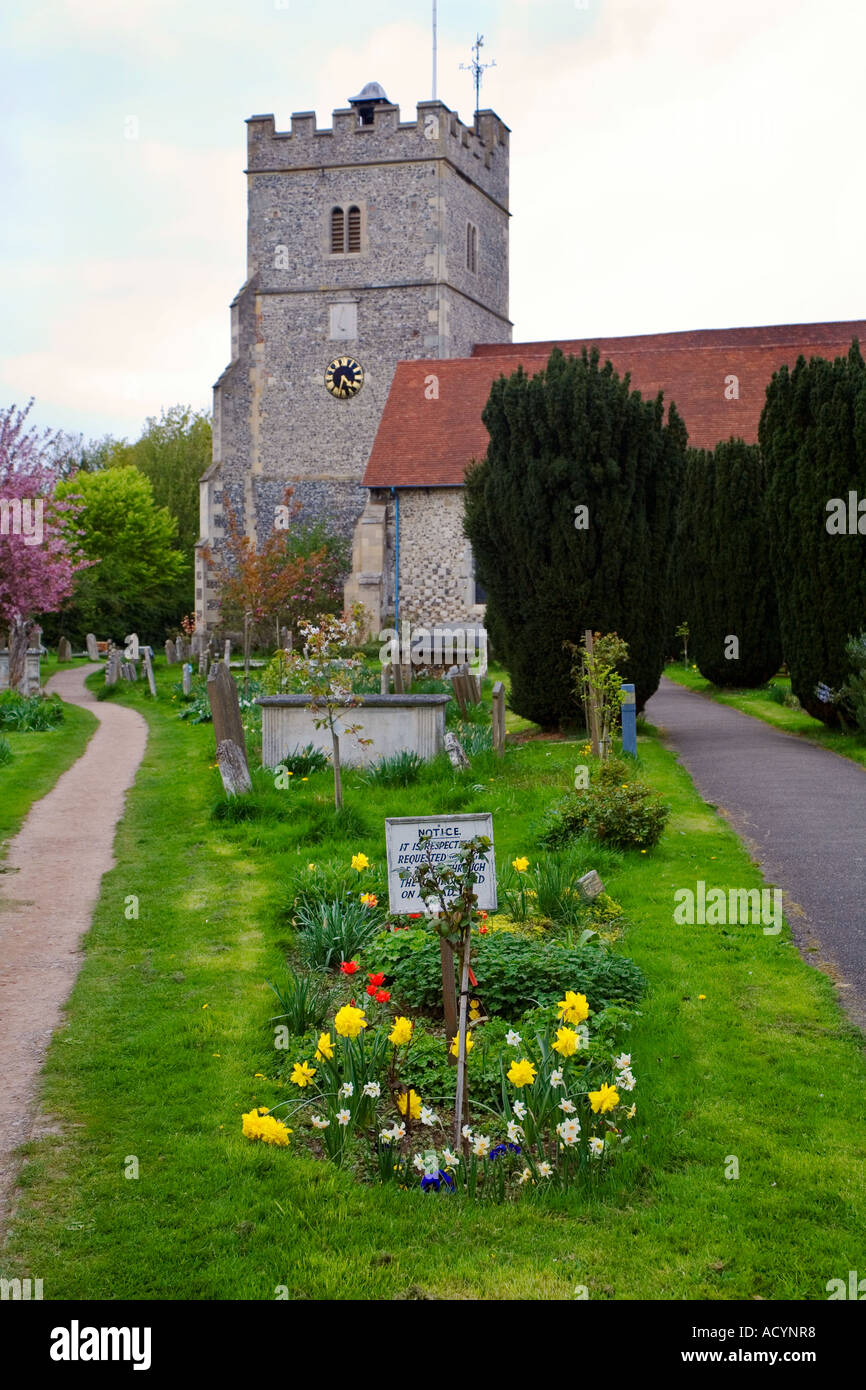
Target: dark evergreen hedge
575 434
813 442
725 584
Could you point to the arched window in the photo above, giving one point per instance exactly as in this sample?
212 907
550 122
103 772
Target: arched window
338 242
471 248
354 230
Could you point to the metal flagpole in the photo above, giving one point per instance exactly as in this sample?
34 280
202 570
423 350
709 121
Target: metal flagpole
435 43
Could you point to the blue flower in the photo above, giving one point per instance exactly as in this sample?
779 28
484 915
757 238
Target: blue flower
504 1149
435 1181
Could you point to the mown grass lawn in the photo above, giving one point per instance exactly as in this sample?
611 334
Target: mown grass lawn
790 721
38 759
167 1027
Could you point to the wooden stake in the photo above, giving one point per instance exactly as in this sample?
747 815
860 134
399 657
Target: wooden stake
449 1002
460 1099
592 708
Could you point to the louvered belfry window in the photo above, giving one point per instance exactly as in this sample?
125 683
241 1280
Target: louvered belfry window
354 245
338 243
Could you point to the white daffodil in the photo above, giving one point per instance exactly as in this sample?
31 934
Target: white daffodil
519 1109
427 1117
512 1039
481 1146
567 1107
623 1061
419 1164
343 1117
346 1090
373 1089
514 1132
596 1147
630 1113
466 1131
625 1081
385 1136
568 1131
556 1078
318 1123
450 1159
525 1176
398 1131
544 1170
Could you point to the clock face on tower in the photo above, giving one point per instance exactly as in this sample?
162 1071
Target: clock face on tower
344 378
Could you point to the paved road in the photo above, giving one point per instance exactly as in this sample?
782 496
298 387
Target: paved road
801 810
50 885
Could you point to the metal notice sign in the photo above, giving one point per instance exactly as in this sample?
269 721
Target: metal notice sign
406 850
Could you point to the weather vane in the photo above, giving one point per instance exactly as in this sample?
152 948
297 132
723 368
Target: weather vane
478 69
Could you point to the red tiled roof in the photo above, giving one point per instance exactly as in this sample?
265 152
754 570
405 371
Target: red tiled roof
425 442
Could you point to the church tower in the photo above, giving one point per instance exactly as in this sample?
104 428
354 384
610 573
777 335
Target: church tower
369 241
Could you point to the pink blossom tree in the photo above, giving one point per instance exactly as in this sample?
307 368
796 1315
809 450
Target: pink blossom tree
39 554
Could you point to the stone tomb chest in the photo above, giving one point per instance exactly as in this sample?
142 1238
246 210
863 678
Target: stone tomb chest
394 723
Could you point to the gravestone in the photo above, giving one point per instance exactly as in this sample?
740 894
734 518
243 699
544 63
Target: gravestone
285 639
384 681
112 666
147 659
499 718
198 643
228 727
454 749
170 652
590 886
92 648
64 650
202 663
181 648
187 678
129 671
227 652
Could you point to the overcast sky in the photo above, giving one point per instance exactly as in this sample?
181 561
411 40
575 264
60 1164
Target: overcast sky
674 164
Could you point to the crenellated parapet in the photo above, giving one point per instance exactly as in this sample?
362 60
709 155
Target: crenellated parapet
480 151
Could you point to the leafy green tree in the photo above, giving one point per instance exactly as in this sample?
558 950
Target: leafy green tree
571 516
173 452
813 443
725 587
131 586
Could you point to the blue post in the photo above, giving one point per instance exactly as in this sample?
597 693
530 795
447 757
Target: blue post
629 721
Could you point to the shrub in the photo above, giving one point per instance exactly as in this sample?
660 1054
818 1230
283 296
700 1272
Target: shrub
5 751
629 816
29 714
335 931
400 770
548 888
575 434
303 1002
725 587
475 738
514 972
854 689
776 693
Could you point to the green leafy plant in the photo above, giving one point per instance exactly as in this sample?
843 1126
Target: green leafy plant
399 770
629 817
303 1002
5 751
336 931
854 689
302 762
29 714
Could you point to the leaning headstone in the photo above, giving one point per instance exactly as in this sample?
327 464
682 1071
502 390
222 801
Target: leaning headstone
228 725
112 666
147 661
187 678
92 648
64 649
499 718
170 652
590 886
454 749
129 671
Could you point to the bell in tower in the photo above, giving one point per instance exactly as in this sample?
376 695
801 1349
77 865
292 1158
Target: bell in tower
368 99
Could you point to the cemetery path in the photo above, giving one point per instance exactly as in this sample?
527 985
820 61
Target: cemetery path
802 812
48 891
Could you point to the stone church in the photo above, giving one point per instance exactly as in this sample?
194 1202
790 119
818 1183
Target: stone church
370 328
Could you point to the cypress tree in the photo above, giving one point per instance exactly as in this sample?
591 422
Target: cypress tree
574 436
725 585
813 442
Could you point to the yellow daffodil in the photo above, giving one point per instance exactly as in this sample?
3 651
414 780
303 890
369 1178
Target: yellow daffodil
604 1099
349 1021
302 1074
401 1033
455 1049
360 861
414 1104
521 1073
325 1048
520 864
263 1126
312 868
573 1008
566 1042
